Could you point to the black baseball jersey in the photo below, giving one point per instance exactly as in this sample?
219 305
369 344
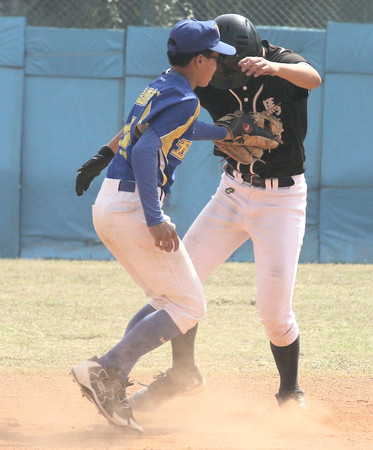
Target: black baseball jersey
276 96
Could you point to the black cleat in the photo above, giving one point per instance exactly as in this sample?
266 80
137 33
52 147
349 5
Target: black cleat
291 396
167 385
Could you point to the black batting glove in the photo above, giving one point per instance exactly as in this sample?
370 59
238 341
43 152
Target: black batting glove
92 168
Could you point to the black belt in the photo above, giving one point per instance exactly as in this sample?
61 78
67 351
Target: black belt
257 181
130 186
127 185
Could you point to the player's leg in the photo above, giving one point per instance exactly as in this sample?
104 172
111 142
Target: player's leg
169 278
287 360
276 249
150 332
212 229
213 237
141 314
183 351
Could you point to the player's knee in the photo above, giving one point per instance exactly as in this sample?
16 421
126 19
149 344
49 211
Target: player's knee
198 311
281 333
187 321
201 311
278 318
187 315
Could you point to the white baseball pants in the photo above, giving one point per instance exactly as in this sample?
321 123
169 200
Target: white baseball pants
167 278
274 219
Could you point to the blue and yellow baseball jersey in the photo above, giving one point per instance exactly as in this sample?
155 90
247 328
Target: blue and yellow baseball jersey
171 107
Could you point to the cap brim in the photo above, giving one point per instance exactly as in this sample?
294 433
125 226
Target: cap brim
224 48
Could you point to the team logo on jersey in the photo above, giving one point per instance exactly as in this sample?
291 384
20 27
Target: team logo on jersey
146 95
183 146
229 190
269 104
271 107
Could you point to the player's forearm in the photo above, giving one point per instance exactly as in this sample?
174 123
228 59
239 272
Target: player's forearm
302 74
113 144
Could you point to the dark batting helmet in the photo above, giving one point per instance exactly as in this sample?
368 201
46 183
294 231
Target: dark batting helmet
238 31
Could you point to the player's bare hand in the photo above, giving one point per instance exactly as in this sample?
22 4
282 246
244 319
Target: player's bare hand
257 66
165 236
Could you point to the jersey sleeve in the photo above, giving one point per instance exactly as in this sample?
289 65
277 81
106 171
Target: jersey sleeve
204 131
283 55
144 164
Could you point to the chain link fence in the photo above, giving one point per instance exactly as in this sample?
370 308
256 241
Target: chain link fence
164 13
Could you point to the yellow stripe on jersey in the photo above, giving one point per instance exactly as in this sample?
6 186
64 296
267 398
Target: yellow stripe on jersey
140 126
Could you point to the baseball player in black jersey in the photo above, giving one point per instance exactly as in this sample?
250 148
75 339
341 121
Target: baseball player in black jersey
264 201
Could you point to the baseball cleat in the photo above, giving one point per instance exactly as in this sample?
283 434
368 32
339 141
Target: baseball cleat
167 385
296 396
104 387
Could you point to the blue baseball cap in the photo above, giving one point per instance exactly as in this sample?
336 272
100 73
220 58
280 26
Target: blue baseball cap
192 36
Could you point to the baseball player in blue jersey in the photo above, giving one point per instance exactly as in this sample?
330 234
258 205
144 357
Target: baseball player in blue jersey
264 201
129 219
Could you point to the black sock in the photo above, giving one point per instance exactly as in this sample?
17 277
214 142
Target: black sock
183 350
287 359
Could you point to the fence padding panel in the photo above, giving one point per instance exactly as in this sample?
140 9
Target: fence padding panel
347 156
74 53
346 224
346 198
146 51
12 31
349 48
12 41
73 105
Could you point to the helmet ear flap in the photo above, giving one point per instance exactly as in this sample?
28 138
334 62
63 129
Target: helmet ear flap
238 31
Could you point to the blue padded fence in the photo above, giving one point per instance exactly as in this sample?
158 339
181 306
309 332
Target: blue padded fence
66 92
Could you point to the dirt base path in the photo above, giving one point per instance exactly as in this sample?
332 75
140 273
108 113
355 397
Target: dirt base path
41 411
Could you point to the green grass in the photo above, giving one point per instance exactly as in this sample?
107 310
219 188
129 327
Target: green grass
54 313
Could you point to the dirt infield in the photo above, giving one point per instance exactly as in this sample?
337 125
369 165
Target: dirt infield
47 411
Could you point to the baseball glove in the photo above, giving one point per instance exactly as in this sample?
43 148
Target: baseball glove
252 133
